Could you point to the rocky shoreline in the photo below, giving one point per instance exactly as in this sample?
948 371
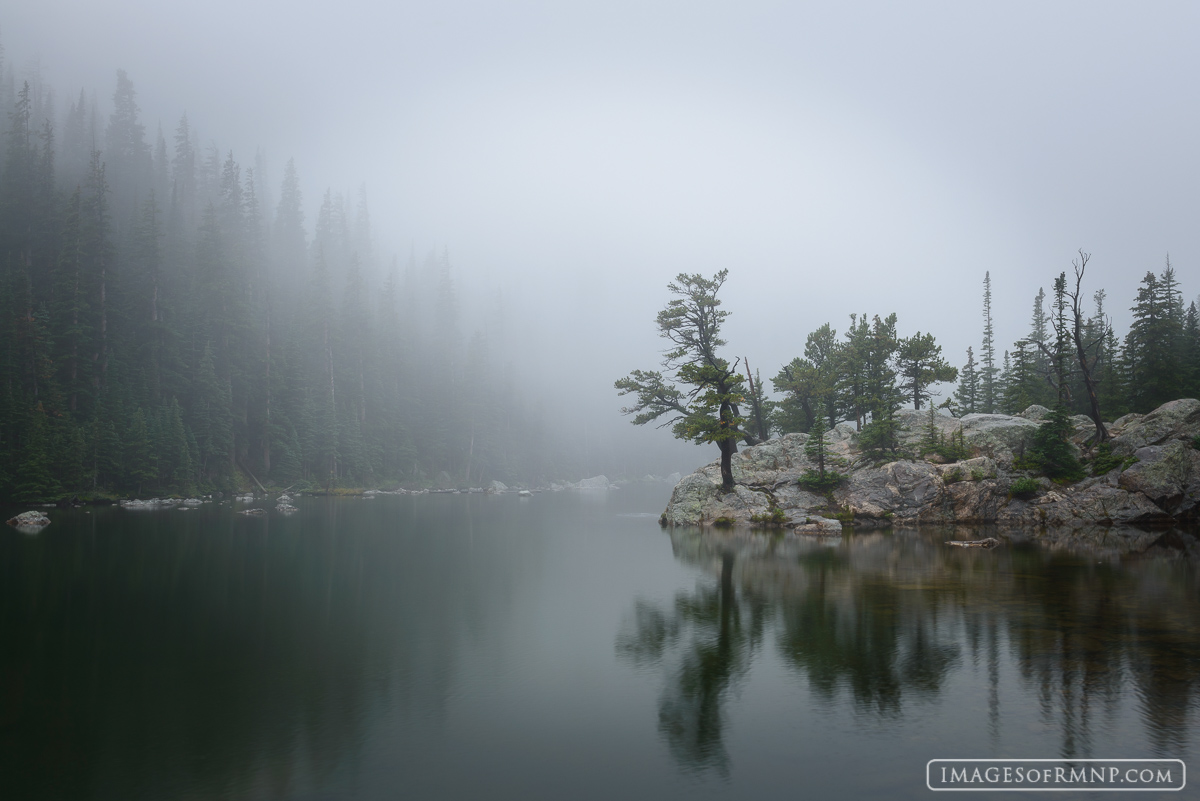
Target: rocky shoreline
1156 483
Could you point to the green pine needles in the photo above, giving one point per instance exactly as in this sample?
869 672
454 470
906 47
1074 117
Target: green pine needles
1051 452
823 478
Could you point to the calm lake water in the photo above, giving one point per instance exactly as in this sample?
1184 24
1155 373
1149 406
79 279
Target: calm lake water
565 647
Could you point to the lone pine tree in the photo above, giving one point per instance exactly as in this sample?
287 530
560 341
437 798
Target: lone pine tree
707 409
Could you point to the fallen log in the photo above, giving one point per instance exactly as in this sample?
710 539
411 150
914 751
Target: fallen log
986 542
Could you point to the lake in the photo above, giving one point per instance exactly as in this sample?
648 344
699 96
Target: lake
564 646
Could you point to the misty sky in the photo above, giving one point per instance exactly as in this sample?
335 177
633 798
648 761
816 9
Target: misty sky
835 157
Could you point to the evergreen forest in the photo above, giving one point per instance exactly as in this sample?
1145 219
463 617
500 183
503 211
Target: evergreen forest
163 330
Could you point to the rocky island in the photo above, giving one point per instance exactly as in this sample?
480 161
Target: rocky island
1152 478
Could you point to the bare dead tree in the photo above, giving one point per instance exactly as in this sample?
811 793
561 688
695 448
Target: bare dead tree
1081 349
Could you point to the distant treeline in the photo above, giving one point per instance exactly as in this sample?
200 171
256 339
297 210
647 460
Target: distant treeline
870 371
163 332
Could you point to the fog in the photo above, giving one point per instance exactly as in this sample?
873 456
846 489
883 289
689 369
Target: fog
835 158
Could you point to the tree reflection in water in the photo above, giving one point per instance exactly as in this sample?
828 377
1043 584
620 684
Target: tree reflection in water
885 620
715 634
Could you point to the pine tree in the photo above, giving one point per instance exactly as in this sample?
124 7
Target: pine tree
968 394
920 364
1051 451
816 450
1151 347
1191 352
138 457
183 180
35 478
883 396
987 353
98 257
1024 384
126 152
211 419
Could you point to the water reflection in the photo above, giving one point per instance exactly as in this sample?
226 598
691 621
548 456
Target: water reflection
211 655
713 633
882 623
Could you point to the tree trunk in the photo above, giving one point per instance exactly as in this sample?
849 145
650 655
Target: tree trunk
1089 384
728 448
1081 351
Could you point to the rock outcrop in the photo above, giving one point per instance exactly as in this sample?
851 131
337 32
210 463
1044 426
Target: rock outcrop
1157 483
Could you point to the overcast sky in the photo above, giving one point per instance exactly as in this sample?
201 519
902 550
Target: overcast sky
836 157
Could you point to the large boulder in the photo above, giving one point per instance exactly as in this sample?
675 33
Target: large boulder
914 426
691 499
1035 412
897 491
1169 475
1178 420
1000 436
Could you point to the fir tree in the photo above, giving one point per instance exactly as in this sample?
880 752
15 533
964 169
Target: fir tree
35 478
987 377
967 395
920 364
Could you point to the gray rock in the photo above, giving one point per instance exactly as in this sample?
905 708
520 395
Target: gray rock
913 425
1179 419
895 492
497 486
1036 413
29 521
1169 475
975 469
999 436
595 482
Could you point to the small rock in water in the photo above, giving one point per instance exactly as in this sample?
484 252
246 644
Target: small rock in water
253 512
29 522
525 494
595 482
